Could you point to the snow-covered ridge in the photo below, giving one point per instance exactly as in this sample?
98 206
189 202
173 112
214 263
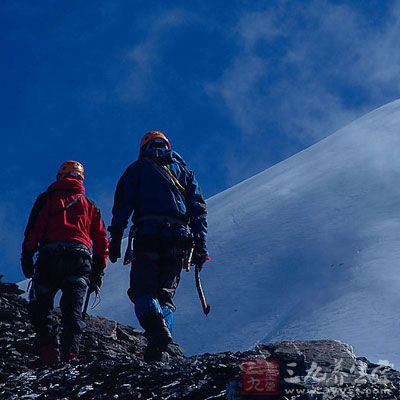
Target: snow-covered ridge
307 249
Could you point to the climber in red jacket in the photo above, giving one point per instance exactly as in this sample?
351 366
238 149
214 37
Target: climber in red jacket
67 231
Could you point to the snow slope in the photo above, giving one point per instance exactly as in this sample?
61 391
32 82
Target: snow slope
307 249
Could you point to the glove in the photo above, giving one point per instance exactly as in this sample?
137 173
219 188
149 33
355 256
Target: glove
114 249
96 275
27 264
200 254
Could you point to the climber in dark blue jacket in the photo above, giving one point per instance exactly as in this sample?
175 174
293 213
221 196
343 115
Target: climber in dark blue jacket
168 211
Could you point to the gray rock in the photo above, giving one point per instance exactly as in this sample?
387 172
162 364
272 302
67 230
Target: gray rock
111 366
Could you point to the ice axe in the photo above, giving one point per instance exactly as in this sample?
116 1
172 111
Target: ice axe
129 255
85 307
200 292
187 262
96 301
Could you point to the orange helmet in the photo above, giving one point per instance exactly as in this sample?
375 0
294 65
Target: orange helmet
149 136
73 168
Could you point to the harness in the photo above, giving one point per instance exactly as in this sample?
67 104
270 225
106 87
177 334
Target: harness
58 248
161 219
174 183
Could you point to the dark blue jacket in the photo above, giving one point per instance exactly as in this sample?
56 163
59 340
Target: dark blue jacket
142 191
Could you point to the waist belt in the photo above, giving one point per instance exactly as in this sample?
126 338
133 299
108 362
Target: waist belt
161 220
56 248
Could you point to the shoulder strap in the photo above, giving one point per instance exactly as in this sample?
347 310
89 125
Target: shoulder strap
67 206
166 173
175 180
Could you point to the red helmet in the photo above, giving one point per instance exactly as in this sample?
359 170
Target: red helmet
149 136
72 168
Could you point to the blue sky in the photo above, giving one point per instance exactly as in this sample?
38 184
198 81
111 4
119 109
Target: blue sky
237 86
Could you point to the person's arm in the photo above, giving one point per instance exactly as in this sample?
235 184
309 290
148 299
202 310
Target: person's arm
37 224
98 234
198 220
124 199
37 207
196 207
124 202
33 233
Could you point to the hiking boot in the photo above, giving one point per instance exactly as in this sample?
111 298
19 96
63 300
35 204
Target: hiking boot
158 338
174 350
157 332
155 354
68 357
49 354
157 347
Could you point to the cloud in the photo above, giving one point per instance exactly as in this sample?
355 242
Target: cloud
239 90
257 26
379 61
141 61
305 71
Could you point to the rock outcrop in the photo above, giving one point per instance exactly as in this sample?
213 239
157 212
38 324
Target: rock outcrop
111 366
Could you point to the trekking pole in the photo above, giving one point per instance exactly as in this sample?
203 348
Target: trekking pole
200 292
85 307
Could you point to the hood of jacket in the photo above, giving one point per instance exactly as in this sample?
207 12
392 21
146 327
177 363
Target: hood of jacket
69 184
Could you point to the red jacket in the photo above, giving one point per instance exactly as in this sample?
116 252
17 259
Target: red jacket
80 222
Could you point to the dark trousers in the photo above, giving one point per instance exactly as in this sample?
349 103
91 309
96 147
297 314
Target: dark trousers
154 278
156 270
68 273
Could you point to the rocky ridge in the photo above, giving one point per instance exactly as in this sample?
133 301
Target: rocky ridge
111 366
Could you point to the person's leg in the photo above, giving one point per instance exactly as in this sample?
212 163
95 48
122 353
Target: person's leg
170 272
171 268
74 286
143 293
41 300
168 315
